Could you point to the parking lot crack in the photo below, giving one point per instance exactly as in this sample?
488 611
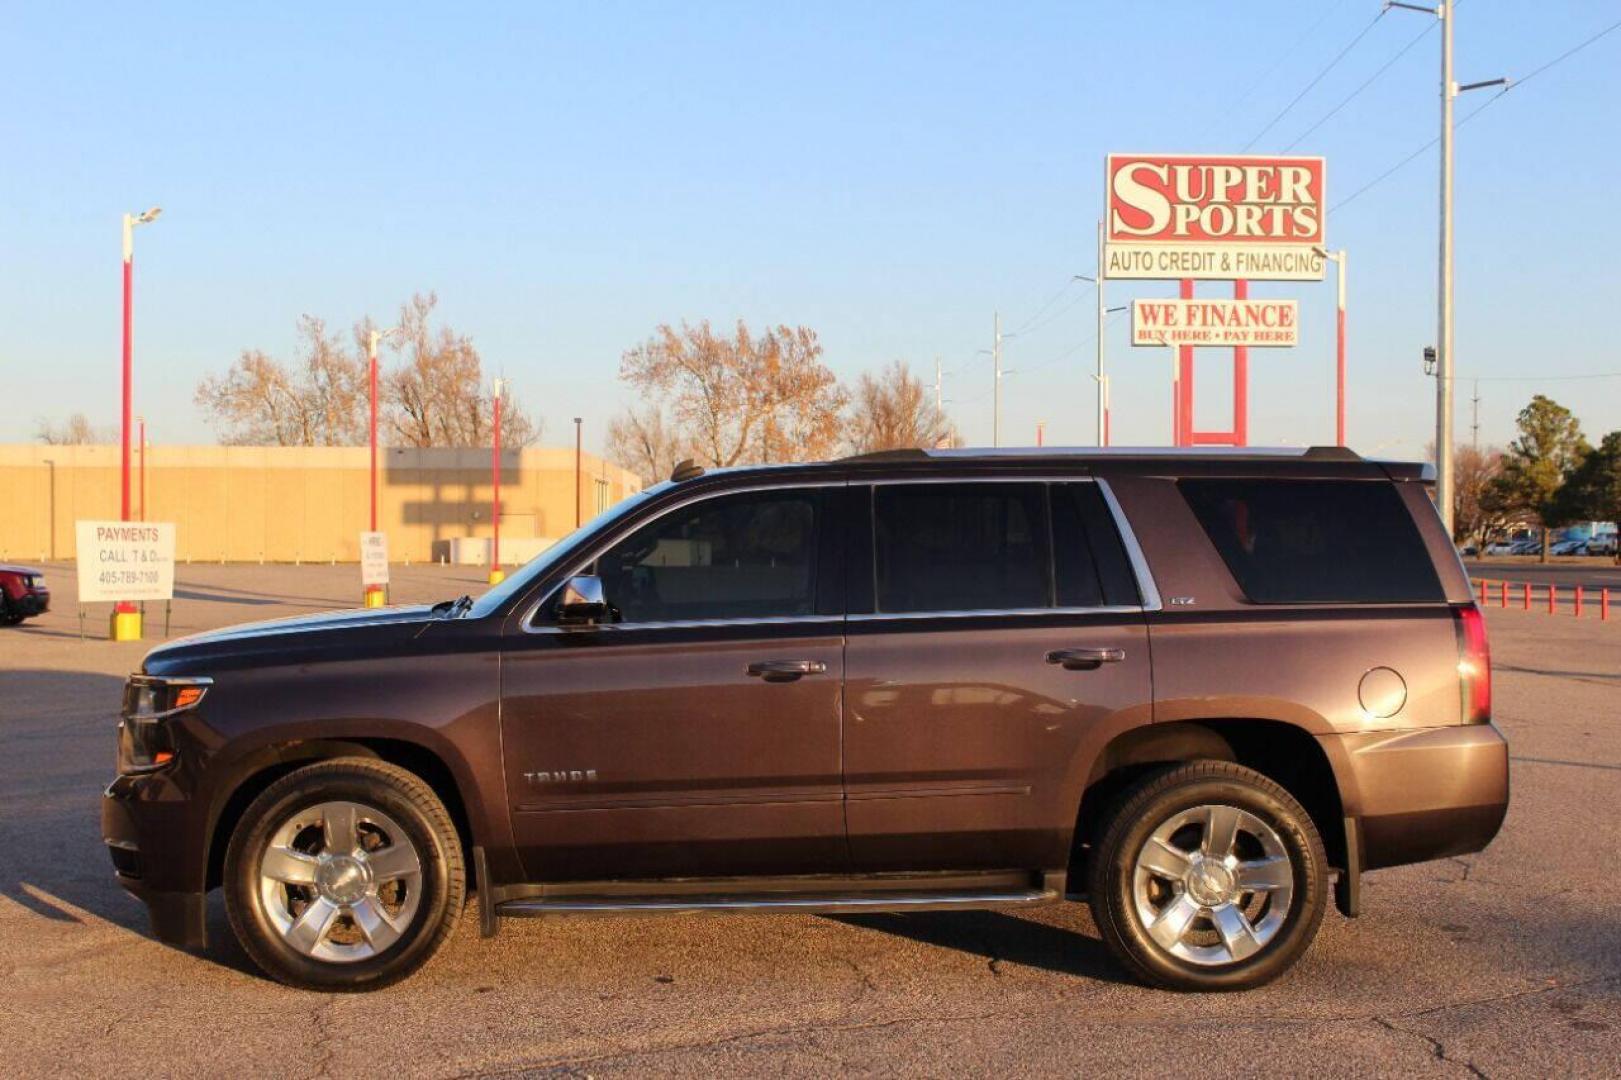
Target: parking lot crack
1437 1047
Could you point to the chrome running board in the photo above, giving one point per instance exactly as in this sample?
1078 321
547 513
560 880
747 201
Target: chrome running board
803 903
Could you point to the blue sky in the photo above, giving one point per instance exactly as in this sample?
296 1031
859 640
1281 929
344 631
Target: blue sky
569 176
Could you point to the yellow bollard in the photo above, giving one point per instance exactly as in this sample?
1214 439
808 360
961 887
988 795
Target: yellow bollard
376 596
125 624
497 576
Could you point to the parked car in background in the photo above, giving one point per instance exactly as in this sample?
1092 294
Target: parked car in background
23 594
1569 547
1177 686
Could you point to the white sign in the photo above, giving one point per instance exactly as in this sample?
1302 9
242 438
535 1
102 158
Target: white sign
1259 323
125 560
1223 262
1223 216
373 558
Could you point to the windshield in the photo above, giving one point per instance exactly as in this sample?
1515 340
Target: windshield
522 577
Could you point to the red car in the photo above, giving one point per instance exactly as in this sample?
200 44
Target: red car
22 594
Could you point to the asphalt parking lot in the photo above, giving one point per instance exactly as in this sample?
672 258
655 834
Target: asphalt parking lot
1507 963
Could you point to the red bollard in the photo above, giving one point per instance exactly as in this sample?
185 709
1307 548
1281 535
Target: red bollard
1604 605
1526 589
1502 599
1578 601
1482 592
1551 601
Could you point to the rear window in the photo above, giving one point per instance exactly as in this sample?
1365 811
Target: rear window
1314 541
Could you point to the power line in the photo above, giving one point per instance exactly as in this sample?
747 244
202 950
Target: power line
1354 94
1561 58
1546 378
1283 58
1060 291
1341 55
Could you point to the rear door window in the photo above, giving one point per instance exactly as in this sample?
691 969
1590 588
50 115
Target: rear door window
1315 541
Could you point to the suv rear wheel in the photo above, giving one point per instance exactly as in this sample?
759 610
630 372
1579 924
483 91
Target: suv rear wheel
344 875
1209 877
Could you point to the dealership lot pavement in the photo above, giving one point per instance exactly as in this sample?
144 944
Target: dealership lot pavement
1507 963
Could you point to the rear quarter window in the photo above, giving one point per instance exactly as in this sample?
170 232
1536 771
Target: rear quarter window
1316 541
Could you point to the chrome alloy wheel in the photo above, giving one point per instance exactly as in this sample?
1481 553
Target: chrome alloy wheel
341 881
1212 885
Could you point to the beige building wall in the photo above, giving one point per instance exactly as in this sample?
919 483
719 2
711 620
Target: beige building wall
292 504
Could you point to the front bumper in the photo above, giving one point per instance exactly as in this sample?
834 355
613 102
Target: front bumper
1423 794
147 834
33 603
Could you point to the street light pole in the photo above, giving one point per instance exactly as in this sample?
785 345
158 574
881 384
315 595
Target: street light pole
576 472
1103 380
1339 261
496 576
375 595
126 617
140 422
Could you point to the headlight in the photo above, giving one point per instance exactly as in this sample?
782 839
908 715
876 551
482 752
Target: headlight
150 703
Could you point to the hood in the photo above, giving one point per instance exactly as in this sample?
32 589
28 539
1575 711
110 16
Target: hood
299 639
12 568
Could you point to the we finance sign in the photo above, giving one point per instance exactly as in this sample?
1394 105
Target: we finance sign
1173 216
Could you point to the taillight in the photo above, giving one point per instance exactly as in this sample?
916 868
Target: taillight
1474 666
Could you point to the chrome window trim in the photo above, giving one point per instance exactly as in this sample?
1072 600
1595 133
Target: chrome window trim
679 624
1134 551
999 613
695 497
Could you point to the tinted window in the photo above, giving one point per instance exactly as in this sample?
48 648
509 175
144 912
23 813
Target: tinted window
748 556
961 547
1090 566
1299 541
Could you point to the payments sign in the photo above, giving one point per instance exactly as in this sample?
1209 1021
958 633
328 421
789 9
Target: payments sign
124 560
1215 322
373 558
1216 217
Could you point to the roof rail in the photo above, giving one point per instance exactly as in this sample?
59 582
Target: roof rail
910 453
1333 453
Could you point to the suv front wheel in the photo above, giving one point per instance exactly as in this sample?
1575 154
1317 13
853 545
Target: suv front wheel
1209 877
344 875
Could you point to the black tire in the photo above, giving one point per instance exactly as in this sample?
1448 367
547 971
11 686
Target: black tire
1118 891
393 794
9 614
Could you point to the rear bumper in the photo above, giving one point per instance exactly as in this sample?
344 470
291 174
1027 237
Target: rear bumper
1425 794
142 831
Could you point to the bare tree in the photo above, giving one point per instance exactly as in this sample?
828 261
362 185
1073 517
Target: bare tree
76 430
439 397
646 444
1475 513
892 411
741 397
319 401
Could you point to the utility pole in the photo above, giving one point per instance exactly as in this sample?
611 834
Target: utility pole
996 395
939 399
1474 423
1444 343
125 624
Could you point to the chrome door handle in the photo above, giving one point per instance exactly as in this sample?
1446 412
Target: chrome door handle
786 670
1085 659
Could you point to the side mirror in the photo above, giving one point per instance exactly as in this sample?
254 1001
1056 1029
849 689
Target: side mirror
582 600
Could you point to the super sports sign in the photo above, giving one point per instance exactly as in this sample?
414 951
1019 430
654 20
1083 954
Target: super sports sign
1218 217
